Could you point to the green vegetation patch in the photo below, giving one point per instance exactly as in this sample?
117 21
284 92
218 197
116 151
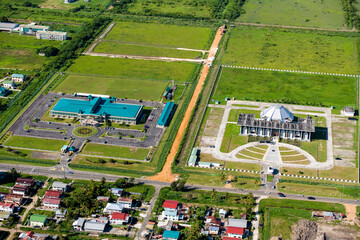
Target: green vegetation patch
317 13
36 143
115 151
290 88
283 49
160 34
231 139
80 4
316 148
85 131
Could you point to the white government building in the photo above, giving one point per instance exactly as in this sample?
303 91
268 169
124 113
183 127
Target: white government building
277 121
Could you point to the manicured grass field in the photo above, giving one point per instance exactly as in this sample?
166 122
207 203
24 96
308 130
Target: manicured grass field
19 52
182 7
59 4
232 139
130 88
160 35
292 88
36 143
115 151
283 49
317 13
317 149
131 49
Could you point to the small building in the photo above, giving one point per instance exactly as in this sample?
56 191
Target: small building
119 218
212 221
51 35
103 198
51 203
171 235
9 27
103 220
230 238
113 207
64 148
35 236
20 190
208 164
235 232
52 194
170 205
78 224
25 181
16 77
59 186
37 220
171 215
31 29
222 213
348 111
166 115
240 223
60 214
3 92
7 207
193 157
117 191
126 202
214 230
94 226
9 84
14 198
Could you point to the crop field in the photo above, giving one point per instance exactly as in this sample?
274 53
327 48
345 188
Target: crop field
160 35
193 8
132 49
19 52
36 143
115 151
283 49
317 13
59 4
292 88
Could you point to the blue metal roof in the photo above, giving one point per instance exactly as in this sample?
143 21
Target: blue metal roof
171 234
165 114
17 75
97 106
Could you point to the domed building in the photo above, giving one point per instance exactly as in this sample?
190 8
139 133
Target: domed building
277 121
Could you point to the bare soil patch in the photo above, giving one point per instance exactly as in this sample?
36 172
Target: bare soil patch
46 155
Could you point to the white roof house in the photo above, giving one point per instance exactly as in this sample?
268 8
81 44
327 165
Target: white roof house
240 223
60 186
113 207
94 226
277 112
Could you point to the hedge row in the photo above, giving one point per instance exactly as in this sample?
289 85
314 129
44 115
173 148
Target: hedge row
27 160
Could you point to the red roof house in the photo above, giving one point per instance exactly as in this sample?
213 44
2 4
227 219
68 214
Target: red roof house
53 203
235 232
230 238
119 218
52 194
170 204
25 181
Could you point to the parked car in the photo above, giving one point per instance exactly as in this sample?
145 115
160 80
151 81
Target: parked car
311 198
281 195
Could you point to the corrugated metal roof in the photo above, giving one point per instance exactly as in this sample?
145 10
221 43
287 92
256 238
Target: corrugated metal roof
8 25
165 114
94 226
171 234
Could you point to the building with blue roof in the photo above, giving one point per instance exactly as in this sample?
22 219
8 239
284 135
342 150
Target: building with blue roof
166 115
98 109
17 77
171 235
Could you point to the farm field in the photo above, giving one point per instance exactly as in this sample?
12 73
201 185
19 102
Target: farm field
19 52
21 2
169 7
115 151
291 50
59 4
318 13
131 49
160 35
35 143
291 88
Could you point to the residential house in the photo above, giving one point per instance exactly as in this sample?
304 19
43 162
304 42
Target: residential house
348 111
229 238
240 223
7 207
117 191
172 215
35 236
166 225
14 198
52 203
25 181
171 235
170 205
37 220
60 214
94 226
103 220
119 218
222 213
103 198
16 77
8 84
22 190
235 232
126 202
214 230
212 221
52 194
59 186
328 216
78 224
113 207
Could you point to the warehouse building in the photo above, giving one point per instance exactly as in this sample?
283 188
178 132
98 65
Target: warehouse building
51 35
97 110
9 27
166 115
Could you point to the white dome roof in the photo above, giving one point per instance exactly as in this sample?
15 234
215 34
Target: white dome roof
277 112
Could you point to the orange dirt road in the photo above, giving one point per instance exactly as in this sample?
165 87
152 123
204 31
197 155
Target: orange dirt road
166 175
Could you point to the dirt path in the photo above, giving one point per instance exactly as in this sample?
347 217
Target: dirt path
228 185
166 175
350 212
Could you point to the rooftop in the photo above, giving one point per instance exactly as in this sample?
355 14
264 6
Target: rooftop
235 230
38 218
165 113
171 234
95 226
119 216
241 223
277 113
8 25
170 204
47 200
52 193
18 75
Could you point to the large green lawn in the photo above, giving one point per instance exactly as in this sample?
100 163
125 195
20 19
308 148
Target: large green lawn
19 52
283 49
160 34
132 49
36 143
59 4
115 151
130 88
315 13
293 88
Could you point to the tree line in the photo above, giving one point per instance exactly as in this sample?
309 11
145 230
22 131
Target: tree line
351 15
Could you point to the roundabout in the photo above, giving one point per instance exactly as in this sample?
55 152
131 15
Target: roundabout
85 131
